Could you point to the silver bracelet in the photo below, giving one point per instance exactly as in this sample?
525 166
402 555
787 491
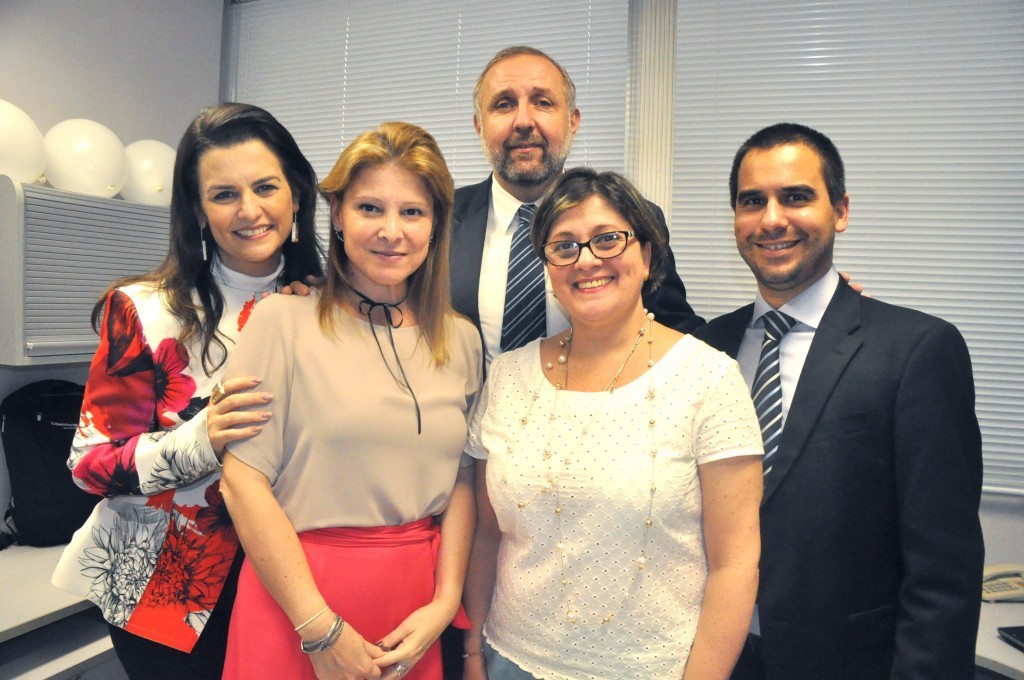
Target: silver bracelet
328 640
479 652
311 619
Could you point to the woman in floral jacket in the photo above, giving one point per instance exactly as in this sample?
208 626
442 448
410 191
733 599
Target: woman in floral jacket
156 555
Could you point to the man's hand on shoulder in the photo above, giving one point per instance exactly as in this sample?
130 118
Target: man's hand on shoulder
857 287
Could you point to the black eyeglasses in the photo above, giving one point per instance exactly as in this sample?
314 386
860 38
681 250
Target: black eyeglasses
603 246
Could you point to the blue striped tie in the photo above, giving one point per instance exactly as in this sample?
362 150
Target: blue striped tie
525 312
767 388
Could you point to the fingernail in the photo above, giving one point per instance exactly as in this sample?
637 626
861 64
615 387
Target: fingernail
258 429
266 415
256 380
266 396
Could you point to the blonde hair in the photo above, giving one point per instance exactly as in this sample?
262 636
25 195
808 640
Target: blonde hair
414 149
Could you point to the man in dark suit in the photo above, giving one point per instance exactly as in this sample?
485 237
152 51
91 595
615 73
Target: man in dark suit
526 116
871 543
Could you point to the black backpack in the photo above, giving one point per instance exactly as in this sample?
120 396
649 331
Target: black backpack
37 425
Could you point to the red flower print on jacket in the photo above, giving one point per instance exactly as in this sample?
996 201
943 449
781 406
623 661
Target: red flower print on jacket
191 568
243 316
172 386
119 403
111 474
214 518
127 351
119 394
131 391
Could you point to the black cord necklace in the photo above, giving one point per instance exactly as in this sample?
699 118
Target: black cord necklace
366 306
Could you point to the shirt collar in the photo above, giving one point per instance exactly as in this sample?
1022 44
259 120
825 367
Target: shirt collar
808 307
505 207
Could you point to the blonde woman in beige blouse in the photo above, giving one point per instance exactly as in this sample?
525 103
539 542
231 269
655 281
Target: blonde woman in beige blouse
355 503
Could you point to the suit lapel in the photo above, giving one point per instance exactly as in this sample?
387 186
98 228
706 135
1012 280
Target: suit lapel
469 226
726 332
833 347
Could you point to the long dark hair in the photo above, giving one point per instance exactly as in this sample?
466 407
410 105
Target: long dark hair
184 277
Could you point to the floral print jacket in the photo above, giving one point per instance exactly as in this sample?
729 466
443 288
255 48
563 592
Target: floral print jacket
155 552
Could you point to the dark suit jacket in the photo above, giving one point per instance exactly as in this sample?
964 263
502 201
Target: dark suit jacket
469 224
871 543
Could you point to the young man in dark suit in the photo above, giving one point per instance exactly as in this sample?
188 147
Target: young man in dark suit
526 117
871 543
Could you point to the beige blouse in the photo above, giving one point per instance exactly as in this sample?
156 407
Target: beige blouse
341 449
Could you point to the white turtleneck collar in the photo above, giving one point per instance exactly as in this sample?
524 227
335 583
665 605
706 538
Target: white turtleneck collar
243 283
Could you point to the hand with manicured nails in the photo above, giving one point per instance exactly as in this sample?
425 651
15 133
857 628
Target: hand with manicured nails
225 423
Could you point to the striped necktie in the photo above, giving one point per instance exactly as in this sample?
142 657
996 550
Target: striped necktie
767 388
525 312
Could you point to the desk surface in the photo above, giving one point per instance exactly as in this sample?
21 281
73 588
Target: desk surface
992 653
29 601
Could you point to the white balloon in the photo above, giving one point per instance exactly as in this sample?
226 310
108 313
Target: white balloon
150 172
21 145
86 157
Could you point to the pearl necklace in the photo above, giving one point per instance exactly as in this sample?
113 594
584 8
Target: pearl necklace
552 485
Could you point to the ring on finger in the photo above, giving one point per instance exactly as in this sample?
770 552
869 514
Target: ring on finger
217 394
401 669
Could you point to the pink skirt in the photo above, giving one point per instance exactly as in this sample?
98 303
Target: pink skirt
373 577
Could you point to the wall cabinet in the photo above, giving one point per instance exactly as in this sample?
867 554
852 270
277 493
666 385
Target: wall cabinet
58 252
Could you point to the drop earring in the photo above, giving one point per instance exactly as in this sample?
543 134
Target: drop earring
202 241
341 237
295 227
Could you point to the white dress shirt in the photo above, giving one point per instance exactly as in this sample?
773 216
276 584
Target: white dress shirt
501 225
807 308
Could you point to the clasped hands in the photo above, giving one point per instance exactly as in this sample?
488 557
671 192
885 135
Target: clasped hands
353 658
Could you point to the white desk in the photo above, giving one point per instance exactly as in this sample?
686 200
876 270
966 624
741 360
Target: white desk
43 632
992 653
29 601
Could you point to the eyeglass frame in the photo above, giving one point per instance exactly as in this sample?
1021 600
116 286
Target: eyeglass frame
580 245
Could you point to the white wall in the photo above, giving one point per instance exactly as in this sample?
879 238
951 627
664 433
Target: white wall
1002 520
143 68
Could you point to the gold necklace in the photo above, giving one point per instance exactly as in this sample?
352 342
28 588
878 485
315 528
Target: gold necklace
552 483
610 387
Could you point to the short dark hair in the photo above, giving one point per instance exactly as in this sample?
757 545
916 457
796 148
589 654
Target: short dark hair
577 185
793 133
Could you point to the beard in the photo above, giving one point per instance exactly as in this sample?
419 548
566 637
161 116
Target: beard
535 173
797 275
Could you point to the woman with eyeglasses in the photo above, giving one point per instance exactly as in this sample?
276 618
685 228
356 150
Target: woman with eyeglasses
355 503
618 472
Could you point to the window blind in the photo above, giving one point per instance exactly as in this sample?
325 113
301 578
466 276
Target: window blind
925 101
330 70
